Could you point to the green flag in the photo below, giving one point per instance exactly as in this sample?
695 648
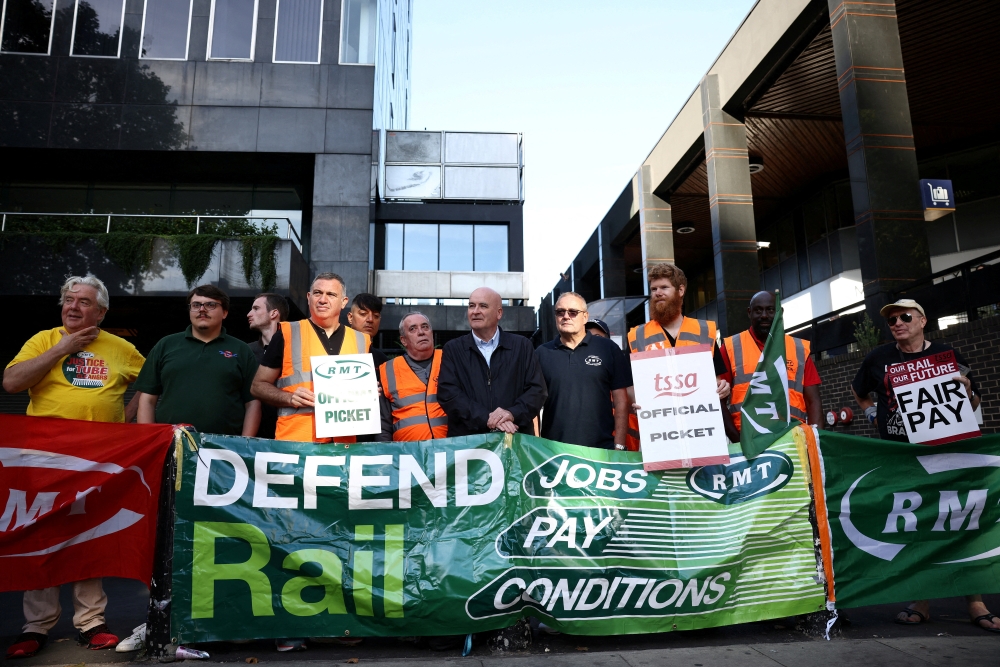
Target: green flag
765 414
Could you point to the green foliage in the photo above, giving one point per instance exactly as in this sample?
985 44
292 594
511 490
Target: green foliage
259 266
867 334
194 253
129 252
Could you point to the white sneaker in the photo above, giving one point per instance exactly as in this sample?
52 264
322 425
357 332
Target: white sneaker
133 642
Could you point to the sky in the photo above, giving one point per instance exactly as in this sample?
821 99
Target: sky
591 85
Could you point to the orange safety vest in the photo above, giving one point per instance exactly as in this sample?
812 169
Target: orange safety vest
301 343
743 355
651 336
416 413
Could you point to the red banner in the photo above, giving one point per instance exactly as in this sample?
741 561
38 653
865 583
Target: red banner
78 500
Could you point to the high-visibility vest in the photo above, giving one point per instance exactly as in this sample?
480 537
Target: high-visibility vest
743 355
651 336
301 343
416 413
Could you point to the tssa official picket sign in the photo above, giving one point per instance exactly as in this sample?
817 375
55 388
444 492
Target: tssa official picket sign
932 402
680 422
346 395
459 535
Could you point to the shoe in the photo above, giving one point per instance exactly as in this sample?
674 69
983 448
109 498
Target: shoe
134 641
97 638
285 645
336 641
26 645
910 611
548 630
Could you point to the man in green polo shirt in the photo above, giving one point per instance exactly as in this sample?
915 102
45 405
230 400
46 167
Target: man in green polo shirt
201 376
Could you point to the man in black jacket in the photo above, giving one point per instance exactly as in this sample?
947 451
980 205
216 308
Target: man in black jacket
490 380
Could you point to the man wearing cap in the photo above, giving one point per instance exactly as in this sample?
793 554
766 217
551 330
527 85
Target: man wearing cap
906 320
580 371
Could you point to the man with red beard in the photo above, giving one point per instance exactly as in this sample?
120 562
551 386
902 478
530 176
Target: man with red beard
669 328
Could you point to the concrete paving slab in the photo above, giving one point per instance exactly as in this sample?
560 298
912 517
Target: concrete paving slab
715 656
822 653
577 659
950 651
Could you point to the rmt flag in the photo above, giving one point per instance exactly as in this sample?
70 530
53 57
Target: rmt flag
78 500
765 413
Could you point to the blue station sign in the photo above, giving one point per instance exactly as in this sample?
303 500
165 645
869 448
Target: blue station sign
938 197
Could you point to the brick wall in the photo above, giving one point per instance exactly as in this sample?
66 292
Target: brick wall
978 342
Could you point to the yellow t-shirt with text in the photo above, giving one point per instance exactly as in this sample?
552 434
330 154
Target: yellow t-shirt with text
88 384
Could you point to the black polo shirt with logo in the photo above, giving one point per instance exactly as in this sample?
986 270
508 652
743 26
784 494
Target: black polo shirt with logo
203 384
578 409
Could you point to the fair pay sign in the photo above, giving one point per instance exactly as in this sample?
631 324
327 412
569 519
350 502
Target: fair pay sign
346 395
680 420
933 403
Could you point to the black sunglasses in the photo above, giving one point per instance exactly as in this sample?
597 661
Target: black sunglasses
906 317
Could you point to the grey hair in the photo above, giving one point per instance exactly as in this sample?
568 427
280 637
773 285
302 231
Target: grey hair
91 280
412 312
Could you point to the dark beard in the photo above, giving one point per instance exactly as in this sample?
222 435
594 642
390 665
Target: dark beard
666 312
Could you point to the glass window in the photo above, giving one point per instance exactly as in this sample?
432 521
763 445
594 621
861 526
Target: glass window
233 30
491 248
819 262
165 27
456 248
297 31
357 33
786 239
27 26
394 247
420 247
97 28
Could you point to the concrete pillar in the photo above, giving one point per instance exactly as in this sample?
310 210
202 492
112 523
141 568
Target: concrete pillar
340 225
656 228
734 238
881 157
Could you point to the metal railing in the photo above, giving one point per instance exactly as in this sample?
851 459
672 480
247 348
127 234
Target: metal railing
197 218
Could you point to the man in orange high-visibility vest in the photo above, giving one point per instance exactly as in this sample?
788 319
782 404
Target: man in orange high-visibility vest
284 378
410 409
742 352
668 327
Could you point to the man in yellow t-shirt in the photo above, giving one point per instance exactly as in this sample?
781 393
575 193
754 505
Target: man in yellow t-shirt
75 371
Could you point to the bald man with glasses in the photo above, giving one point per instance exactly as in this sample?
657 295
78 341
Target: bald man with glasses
580 371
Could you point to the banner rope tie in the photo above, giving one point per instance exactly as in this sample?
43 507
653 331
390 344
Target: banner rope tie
180 435
833 619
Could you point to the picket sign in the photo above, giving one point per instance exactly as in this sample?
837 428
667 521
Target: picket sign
346 390
933 403
680 422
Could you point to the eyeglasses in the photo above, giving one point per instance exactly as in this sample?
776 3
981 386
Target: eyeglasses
906 317
562 312
195 306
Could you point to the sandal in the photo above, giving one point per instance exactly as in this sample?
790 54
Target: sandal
909 611
988 617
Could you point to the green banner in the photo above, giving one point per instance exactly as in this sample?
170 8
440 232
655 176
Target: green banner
445 537
909 521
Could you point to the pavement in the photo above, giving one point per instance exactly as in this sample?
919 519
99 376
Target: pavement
867 637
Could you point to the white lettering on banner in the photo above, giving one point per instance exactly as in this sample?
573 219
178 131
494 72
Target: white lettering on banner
951 505
263 478
680 422
462 496
18 510
933 406
409 470
904 506
203 471
311 479
358 480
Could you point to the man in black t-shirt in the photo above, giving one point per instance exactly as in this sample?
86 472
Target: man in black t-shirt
906 321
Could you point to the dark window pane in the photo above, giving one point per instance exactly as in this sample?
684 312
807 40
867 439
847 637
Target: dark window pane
27 26
232 29
491 248
297 36
98 27
772 279
845 206
394 247
768 256
456 248
789 277
977 224
420 247
941 235
814 219
819 262
165 29
786 238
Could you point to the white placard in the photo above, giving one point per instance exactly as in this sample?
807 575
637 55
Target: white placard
346 389
680 423
932 403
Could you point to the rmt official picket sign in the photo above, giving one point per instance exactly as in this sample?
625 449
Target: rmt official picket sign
681 418
346 395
